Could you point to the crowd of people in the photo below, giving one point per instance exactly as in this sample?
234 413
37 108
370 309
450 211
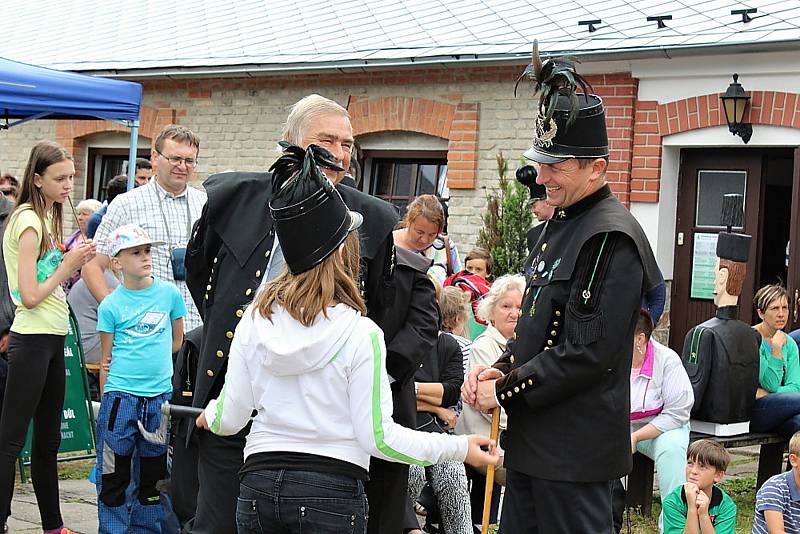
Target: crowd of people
331 344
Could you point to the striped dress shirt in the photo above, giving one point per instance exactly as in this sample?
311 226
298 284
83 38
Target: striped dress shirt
149 206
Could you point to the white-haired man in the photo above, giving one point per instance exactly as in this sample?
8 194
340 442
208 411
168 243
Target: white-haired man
233 252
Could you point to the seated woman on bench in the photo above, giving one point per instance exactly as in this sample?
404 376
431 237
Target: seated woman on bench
777 407
661 401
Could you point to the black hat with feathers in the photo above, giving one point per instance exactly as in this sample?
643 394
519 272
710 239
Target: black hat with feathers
570 124
311 219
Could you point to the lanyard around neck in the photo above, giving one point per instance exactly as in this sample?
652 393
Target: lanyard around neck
164 217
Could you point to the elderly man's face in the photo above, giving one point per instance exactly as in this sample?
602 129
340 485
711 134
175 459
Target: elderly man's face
335 134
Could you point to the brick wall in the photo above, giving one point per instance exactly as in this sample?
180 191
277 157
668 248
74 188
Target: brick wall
654 121
239 121
16 143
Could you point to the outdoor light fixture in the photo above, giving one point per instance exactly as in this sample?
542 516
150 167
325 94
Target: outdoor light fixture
734 101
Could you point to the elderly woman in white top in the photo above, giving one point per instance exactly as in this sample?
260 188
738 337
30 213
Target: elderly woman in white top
500 307
661 401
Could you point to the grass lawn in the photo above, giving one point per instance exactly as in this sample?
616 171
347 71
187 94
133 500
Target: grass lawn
741 490
75 469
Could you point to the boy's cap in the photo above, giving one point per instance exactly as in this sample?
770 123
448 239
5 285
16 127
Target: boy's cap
129 236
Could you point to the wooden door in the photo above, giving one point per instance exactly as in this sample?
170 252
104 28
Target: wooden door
706 174
793 275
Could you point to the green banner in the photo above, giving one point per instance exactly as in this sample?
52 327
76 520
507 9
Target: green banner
77 418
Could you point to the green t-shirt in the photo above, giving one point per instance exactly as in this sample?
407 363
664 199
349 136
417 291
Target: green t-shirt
51 316
722 510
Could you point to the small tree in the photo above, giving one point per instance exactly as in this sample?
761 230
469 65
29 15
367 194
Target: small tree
506 222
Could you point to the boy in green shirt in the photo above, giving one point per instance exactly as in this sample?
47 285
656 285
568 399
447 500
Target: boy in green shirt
699 506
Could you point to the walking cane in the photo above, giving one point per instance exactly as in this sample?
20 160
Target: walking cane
487 500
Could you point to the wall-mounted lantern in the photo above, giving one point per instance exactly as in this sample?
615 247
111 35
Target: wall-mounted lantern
734 102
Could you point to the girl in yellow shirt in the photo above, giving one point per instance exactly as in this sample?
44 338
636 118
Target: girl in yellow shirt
36 268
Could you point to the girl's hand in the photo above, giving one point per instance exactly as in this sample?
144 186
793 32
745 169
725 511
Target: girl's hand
201 421
79 255
476 456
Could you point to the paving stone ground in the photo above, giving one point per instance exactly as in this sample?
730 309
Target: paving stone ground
78 507
78 500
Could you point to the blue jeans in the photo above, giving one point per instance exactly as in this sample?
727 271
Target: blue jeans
296 502
776 412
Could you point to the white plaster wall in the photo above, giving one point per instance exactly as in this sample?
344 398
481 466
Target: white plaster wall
668 80
658 220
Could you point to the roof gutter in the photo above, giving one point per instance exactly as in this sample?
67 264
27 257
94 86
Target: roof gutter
444 62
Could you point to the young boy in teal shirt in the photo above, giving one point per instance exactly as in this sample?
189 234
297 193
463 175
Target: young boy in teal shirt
700 506
140 325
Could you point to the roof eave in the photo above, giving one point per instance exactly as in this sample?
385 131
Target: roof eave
444 62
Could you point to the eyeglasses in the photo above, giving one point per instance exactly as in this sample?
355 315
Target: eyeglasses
175 160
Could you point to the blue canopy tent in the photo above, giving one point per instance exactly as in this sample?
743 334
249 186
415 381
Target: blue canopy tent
28 92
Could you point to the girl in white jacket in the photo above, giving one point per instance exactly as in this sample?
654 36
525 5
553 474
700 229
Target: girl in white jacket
309 368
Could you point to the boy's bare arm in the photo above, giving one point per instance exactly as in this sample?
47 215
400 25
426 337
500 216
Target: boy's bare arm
774 519
703 502
692 518
106 341
177 334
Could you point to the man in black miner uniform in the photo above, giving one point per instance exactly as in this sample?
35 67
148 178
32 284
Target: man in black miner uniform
232 252
564 378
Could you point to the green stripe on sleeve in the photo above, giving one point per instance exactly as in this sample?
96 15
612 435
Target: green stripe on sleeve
216 426
377 416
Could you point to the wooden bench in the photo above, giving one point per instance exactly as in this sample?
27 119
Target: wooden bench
770 462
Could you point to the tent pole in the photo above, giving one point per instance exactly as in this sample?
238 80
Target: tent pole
132 154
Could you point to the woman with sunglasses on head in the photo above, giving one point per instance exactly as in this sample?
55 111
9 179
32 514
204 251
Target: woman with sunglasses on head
36 268
777 406
312 366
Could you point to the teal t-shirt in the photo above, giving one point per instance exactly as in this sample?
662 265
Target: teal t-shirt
141 322
721 509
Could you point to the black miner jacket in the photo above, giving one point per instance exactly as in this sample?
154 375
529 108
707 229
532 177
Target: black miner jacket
228 255
567 385
722 361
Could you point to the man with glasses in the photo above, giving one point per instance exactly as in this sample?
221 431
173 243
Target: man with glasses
165 207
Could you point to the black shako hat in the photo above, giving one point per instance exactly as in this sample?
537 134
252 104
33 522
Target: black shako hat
570 124
732 246
555 140
311 219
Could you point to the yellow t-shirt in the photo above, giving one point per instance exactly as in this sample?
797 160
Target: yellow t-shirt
51 316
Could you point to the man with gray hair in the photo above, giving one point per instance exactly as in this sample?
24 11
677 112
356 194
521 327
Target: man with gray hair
232 253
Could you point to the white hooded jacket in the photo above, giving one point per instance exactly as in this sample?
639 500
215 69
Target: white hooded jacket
319 390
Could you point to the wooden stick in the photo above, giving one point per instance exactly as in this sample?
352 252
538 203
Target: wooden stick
487 499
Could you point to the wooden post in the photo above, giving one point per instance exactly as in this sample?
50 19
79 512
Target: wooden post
487 500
